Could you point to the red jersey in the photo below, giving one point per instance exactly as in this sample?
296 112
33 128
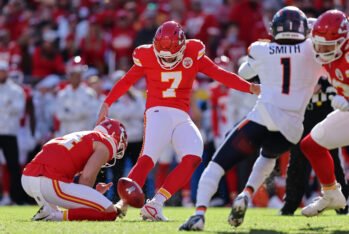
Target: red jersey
338 71
63 157
172 88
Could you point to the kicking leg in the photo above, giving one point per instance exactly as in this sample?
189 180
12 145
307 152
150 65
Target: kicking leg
237 146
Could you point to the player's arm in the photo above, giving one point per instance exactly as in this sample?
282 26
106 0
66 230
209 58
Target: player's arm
99 157
231 80
246 71
120 88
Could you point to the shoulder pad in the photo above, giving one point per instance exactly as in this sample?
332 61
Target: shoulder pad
139 53
197 46
256 49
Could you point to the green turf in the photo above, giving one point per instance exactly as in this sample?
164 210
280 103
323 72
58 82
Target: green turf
17 220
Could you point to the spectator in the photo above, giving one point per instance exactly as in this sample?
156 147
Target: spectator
231 46
93 47
122 37
12 103
200 25
44 98
9 50
246 13
76 103
146 33
46 58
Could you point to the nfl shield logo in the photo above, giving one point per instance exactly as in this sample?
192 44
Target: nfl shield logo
187 62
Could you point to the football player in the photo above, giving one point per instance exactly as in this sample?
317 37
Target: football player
49 177
330 43
170 66
288 74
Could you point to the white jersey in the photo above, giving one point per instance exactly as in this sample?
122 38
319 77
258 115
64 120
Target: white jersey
288 75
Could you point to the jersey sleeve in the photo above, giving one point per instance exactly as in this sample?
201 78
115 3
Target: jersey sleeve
197 47
255 54
231 80
136 56
140 55
121 87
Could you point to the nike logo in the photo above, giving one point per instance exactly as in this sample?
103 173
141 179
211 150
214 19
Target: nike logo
320 211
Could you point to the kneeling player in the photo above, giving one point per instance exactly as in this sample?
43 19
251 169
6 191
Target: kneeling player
48 178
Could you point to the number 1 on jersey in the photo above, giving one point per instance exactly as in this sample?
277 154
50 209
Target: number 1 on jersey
286 75
166 77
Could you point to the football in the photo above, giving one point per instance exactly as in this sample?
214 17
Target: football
130 192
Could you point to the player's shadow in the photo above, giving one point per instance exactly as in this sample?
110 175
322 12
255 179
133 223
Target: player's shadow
340 232
313 229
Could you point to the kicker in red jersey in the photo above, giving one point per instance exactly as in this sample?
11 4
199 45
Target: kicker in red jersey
61 158
172 88
339 73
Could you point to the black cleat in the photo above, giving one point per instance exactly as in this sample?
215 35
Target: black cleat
194 223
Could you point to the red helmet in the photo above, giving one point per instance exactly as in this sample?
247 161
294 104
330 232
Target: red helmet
329 34
169 44
117 131
76 65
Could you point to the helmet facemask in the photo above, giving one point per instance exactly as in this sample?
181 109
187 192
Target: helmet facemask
327 51
167 60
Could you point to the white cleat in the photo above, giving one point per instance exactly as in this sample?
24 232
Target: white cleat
331 199
47 214
42 214
152 211
121 207
238 210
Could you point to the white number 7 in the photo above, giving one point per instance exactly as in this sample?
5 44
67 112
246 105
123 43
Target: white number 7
166 77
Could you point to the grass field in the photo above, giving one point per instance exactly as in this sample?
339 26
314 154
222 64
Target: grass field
17 220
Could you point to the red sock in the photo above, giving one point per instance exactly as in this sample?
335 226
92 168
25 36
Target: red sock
80 214
320 159
161 174
181 174
140 170
5 179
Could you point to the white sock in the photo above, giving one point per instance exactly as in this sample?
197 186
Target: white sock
57 215
262 168
208 184
159 198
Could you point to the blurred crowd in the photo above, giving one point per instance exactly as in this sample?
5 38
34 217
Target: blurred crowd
66 55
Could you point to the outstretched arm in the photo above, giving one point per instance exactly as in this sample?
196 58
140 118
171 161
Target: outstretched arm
227 78
119 89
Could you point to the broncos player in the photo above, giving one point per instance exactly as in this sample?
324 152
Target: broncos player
288 74
170 66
